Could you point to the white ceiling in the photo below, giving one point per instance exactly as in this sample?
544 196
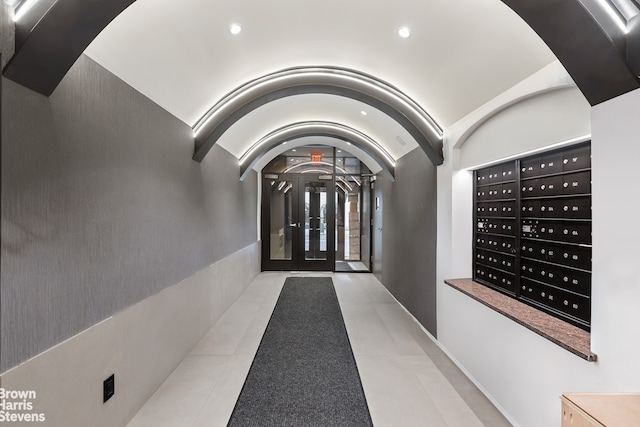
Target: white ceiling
461 54
317 107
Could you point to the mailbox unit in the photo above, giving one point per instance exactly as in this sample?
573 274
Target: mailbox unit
532 221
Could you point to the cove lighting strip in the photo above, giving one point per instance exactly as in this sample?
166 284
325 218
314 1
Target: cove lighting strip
316 77
614 14
23 9
307 128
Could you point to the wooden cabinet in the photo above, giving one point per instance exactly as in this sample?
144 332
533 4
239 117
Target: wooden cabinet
600 409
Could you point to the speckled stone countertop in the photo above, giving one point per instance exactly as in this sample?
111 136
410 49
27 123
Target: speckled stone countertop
567 336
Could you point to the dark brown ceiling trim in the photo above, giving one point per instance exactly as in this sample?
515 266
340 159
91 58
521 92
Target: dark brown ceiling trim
583 47
58 39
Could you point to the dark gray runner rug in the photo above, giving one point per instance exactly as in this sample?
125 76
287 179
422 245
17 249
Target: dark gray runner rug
304 372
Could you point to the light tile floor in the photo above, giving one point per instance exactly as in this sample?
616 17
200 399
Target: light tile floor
407 379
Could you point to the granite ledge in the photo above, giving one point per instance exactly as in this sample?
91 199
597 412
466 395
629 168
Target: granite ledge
567 336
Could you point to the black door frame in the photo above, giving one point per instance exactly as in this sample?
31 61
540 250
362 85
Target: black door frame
295 228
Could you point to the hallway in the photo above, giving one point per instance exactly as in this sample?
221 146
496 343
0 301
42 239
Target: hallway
407 379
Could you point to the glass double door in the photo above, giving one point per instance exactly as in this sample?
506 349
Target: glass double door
298 222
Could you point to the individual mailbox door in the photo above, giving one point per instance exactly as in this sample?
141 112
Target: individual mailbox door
508 227
495 192
551 208
530 289
576 158
507 282
495 225
482 177
492 209
508 190
550 186
577 232
550 163
576 207
495 174
550 230
574 256
508 244
574 280
509 171
481 256
493 259
530 167
494 242
482 209
577 306
530 249
530 188
530 209
530 270
506 208
577 183
508 263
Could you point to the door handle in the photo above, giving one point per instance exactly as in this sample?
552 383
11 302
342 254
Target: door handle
295 224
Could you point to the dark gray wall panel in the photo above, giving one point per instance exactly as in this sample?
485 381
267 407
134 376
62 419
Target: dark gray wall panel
230 203
409 236
103 206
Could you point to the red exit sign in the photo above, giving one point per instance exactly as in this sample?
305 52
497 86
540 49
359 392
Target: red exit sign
316 157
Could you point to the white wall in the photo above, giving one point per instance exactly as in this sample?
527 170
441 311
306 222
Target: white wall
616 253
554 116
523 373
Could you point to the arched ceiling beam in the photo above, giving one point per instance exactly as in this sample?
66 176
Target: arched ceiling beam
591 48
50 40
325 80
306 129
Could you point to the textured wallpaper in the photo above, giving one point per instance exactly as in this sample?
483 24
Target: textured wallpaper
409 239
103 206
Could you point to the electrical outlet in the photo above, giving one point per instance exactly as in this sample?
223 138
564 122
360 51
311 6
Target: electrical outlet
108 388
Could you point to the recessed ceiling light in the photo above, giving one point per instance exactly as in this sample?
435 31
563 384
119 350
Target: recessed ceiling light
235 29
293 149
339 151
364 113
404 32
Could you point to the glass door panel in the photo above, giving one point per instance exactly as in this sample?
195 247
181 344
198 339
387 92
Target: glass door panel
315 220
281 220
352 220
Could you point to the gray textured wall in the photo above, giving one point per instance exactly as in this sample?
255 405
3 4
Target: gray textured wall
102 206
409 236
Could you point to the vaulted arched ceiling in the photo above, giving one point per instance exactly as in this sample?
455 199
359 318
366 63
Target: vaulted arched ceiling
460 54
